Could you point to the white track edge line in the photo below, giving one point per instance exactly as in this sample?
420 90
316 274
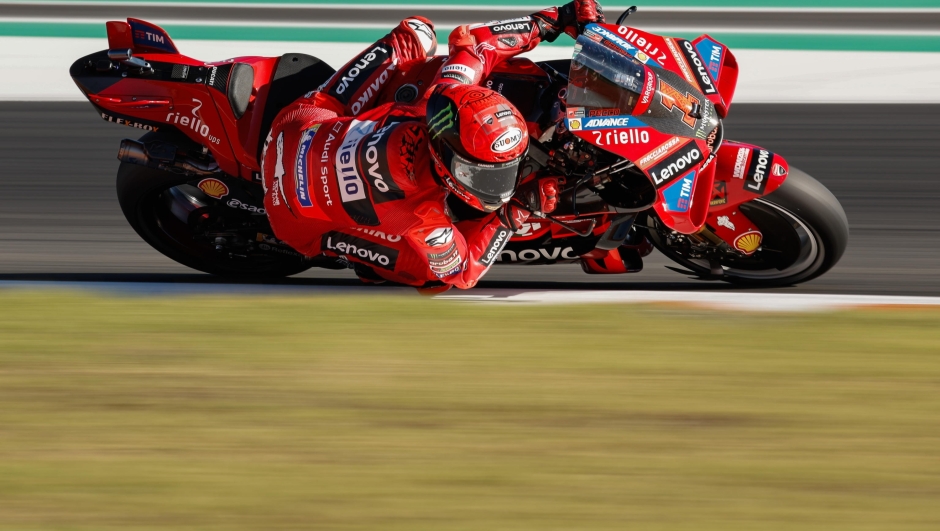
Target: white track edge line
772 302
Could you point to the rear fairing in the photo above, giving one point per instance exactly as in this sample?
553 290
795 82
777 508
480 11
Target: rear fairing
179 93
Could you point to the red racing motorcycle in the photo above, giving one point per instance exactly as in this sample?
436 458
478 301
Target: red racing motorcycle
628 132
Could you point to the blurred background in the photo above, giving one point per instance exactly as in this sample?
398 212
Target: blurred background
210 409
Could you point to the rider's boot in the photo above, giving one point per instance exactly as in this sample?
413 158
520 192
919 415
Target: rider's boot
612 262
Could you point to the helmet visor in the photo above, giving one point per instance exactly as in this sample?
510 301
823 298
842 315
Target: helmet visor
491 182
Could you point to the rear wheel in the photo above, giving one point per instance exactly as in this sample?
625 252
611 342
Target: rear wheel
179 220
805 234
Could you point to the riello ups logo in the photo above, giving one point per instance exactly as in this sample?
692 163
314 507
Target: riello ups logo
193 122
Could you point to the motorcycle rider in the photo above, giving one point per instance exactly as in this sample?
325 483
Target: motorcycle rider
369 182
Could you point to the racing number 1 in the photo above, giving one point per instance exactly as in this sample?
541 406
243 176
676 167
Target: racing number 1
672 98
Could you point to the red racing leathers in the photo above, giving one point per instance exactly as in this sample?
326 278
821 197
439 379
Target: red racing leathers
346 177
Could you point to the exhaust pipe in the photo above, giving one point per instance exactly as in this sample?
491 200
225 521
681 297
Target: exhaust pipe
162 156
133 152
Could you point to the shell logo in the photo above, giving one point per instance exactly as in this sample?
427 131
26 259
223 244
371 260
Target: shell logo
213 188
748 242
574 125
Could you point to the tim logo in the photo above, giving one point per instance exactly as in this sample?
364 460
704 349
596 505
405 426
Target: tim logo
150 36
141 35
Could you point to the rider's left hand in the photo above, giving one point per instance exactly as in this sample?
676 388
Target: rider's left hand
580 13
512 216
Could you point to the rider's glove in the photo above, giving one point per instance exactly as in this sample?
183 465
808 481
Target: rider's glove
512 217
569 18
540 196
579 13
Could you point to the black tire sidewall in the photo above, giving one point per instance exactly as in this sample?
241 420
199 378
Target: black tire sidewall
806 199
813 204
138 185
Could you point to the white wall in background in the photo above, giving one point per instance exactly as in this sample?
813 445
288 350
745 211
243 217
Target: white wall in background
37 69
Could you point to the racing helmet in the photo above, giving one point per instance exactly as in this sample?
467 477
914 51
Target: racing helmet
477 141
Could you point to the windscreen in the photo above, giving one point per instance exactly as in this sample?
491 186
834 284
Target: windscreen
602 78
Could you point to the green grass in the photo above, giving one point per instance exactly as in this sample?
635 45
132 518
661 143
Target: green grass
234 413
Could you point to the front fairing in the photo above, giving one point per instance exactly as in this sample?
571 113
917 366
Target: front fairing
628 102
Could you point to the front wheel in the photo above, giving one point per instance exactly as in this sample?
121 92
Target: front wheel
805 234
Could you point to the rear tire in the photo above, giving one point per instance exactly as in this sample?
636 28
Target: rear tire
820 234
142 194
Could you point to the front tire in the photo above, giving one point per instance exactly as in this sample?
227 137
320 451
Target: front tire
805 234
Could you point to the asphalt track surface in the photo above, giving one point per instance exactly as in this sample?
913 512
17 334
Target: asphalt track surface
450 16
60 221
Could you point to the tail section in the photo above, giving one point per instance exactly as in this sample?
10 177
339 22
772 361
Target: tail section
142 81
